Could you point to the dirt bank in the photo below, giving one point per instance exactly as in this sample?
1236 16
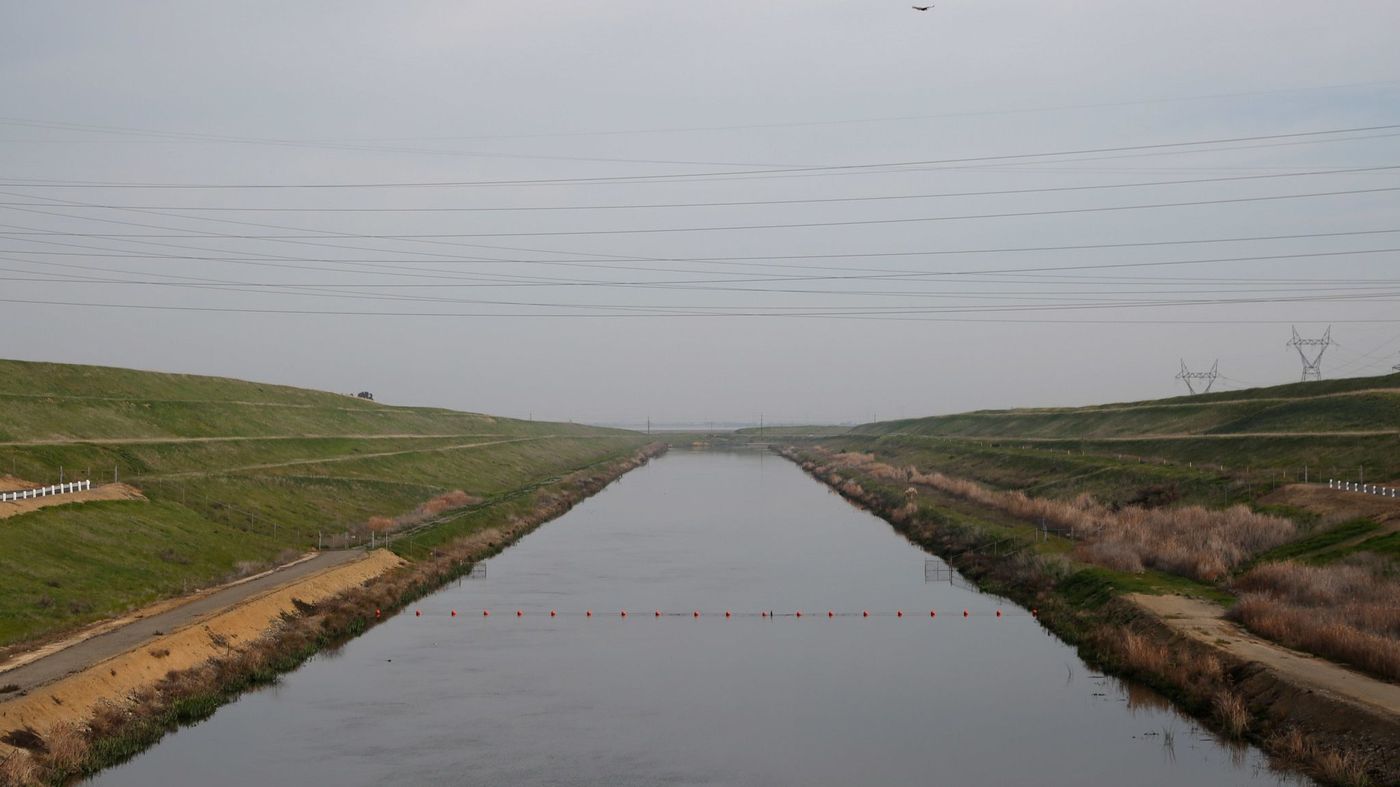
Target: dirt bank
74 698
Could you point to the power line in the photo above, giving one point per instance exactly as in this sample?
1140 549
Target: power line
345 313
735 227
728 204
126 130
680 176
739 259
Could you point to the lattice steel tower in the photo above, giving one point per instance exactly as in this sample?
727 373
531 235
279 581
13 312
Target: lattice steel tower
1310 351
1192 378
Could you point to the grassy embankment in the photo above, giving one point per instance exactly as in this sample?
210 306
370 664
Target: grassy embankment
118 730
1184 496
238 475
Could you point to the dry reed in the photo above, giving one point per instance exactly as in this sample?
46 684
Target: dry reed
1192 541
1346 612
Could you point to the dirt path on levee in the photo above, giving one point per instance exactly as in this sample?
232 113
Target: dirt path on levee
233 439
66 681
1205 622
352 458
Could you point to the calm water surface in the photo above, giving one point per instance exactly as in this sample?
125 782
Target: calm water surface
645 701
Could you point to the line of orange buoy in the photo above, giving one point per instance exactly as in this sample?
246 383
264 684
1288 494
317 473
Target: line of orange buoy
696 614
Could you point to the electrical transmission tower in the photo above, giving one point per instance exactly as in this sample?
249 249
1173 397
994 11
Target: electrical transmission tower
1192 378
1310 351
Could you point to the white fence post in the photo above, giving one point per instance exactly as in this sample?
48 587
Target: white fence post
45 491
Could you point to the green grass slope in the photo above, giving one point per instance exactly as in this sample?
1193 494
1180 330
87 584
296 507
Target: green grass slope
1218 447
1360 404
237 474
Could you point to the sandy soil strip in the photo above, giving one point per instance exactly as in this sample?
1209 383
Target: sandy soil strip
14 660
1206 623
114 679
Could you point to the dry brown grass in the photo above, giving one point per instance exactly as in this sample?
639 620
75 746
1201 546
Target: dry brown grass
1334 767
67 748
1144 654
1192 541
1230 711
20 769
1347 612
444 502
1345 768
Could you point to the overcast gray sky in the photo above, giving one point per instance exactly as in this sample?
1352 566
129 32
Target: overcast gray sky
364 147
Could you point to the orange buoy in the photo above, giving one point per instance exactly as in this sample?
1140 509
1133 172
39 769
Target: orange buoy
726 613
376 613
899 613
799 613
588 614
933 613
551 613
865 613
1035 613
454 613
964 613
624 613
763 614
998 613
830 614
417 613
518 613
696 613
658 613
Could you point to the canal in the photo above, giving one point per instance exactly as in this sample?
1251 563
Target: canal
747 699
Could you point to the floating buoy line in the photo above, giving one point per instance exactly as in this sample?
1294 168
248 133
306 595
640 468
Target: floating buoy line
696 614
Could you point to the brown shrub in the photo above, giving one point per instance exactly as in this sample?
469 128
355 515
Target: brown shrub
1345 612
447 502
1114 555
20 769
1193 541
67 748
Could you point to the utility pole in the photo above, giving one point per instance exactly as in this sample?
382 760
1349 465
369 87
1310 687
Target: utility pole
1191 378
648 424
760 426
1310 351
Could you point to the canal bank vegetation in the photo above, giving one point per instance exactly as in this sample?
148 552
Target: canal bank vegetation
444 552
232 477
1081 511
1090 606
1347 612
